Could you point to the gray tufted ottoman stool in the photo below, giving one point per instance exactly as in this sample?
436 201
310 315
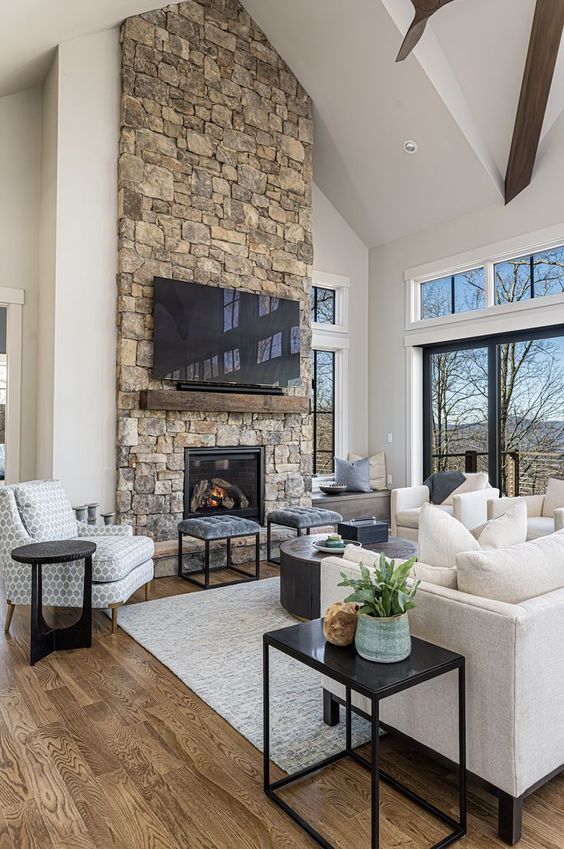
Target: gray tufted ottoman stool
299 518
211 528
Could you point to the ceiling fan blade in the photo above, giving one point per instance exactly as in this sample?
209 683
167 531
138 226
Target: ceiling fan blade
544 44
423 11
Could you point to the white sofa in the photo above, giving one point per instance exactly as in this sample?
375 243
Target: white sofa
37 511
542 517
469 506
515 692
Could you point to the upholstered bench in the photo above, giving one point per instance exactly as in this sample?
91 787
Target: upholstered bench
212 528
300 519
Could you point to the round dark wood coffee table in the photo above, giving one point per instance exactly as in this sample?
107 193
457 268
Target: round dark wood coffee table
300 570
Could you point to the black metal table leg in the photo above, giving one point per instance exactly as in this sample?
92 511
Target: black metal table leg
462 774
257 556
228 546
266 717
348 720
42 640
180 535
268 541
375 776
206 564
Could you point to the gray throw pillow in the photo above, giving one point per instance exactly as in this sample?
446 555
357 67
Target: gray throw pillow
355 476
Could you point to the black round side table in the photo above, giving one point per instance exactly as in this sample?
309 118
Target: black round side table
45 640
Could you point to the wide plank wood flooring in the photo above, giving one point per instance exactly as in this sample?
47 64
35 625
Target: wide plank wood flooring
105 749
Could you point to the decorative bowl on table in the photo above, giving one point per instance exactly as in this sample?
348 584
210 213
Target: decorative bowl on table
333 544
333 488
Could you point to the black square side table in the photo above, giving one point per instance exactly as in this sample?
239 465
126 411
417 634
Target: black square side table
45 640
376 681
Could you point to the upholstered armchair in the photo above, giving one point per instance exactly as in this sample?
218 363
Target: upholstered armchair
37 511
468 504
545 512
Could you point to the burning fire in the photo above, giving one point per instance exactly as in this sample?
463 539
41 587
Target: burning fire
216 496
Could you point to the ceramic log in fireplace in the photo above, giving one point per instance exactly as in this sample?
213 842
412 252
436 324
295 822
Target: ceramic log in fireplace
220 481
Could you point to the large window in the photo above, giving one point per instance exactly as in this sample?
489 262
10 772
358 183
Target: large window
323 369
497 405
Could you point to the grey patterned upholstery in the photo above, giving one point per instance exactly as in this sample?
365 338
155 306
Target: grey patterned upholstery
218 527
304 517
121 564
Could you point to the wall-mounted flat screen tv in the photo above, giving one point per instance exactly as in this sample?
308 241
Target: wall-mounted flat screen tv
214 335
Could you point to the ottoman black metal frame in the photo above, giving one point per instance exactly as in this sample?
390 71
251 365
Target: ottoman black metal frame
207 569
44 639
376 681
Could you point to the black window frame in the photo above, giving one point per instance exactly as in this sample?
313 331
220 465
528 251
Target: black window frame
314 305
492 343
315 411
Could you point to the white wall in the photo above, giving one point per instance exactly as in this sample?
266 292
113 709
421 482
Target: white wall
338 250
20 141
538 206
81 308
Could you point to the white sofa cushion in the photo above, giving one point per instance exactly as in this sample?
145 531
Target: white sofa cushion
508 529
473 482
514 574
554 496
410 518
539 526
442 576
377 468
442 537
115 556
45 510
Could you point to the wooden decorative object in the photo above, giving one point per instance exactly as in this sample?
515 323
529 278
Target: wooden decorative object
222 402
339 625
544 44
423 11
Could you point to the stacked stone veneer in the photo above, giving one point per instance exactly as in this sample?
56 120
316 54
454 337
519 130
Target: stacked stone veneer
214 187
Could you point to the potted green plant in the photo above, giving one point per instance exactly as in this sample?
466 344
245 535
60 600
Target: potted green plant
385 596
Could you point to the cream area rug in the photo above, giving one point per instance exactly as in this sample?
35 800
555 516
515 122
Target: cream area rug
212 641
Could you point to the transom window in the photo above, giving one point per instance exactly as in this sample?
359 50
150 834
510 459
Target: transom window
532 276
457 293
323 305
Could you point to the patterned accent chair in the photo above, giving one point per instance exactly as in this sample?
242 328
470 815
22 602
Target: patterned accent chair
38 511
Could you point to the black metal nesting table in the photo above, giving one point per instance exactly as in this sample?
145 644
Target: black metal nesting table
376 681
45 640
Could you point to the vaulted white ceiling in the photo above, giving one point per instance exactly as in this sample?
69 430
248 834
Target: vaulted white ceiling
456 95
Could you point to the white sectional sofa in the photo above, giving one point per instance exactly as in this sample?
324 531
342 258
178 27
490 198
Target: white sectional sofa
468 504
515 669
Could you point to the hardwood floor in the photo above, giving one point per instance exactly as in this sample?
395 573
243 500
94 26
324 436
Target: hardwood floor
105 749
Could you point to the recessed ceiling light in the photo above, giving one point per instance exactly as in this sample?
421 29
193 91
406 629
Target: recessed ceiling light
410 146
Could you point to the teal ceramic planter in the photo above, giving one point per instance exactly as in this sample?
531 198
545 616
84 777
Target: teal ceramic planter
383 640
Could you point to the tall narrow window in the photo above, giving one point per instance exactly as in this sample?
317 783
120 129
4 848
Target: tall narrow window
323 305
323 412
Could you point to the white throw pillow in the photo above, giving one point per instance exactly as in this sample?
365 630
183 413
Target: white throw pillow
508 529
442 576
377 463
554 496
442 537
473 482
514 574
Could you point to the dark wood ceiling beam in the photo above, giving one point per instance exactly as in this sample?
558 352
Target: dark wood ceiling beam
423 11
544 44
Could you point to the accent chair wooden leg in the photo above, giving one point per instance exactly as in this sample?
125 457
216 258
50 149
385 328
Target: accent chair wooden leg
330 709
147 591
510 818
9 614
114 608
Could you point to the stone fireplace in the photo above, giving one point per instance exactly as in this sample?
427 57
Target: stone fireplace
219 481
215 173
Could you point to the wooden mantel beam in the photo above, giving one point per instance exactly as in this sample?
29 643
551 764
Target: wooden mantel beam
544 44
423 11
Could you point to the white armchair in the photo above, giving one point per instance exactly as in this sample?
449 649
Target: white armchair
37 511
545 513
469 507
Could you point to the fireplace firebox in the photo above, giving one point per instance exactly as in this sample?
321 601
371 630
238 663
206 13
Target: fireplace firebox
220 481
